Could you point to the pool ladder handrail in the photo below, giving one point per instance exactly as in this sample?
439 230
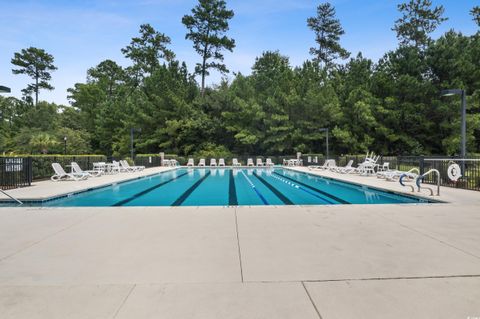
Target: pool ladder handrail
421 177
411 171
8 195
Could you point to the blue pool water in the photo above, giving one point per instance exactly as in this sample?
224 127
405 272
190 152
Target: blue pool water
229 186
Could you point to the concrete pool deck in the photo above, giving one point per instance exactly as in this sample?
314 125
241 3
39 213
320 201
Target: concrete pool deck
339 261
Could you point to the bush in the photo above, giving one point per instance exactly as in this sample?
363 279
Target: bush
210 150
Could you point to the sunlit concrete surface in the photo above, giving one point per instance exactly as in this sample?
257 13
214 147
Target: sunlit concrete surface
339 261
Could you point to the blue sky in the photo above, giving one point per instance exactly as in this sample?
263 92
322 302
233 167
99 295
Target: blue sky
82 33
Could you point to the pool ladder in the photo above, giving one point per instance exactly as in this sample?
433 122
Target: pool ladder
421 177
8 195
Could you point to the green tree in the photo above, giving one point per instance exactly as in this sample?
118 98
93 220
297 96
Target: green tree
327 30
147 50
206 29
37 64
419 19
43 142
475 12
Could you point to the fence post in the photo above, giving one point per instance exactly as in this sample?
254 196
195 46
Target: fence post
422 165
30 170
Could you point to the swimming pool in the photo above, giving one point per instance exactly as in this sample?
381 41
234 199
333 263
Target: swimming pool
229 187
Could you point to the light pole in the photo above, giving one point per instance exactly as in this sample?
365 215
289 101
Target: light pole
463 149
132 149
64 145
4 89
325 129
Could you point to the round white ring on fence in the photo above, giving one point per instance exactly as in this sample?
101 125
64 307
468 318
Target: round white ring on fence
454 172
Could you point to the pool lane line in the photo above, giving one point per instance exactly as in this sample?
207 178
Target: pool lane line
282 197
148 190
303 189
189 191
232 191
255 189
315 189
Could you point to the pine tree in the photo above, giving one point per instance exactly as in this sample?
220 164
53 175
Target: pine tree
206 28
327 30
37 64
418 21
475 12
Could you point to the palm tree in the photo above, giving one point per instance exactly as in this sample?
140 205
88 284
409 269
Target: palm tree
42 142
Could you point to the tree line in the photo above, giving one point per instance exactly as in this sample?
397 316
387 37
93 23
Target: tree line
390 106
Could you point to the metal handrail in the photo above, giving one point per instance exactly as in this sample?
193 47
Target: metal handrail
421 177
8 195
407 175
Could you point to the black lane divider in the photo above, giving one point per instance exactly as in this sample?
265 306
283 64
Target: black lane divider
232 191
314 189
189 191
282 197
148 190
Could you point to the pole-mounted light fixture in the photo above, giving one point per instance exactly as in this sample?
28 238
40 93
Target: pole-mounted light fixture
4 89
325 129
132 148
463 146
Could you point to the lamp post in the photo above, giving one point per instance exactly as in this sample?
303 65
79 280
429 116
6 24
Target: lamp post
463 148
64 145
325 129
4 89
132 149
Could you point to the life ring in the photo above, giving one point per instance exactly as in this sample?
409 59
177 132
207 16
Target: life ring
454 172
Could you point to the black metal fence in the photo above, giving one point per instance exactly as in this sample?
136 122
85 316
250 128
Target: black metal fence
15 172
470 169
20 171
148 161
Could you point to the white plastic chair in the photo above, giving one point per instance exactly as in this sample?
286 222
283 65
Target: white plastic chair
213 162
221 162
201 162
190 162
250 162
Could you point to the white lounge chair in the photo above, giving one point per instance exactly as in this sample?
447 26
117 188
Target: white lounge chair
269 162
190 162
201 162
345 169
133 168
213 162
221 162
78 170
60 174
326 165
393 175
117 167
250 162
124 168
259 162
235 162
